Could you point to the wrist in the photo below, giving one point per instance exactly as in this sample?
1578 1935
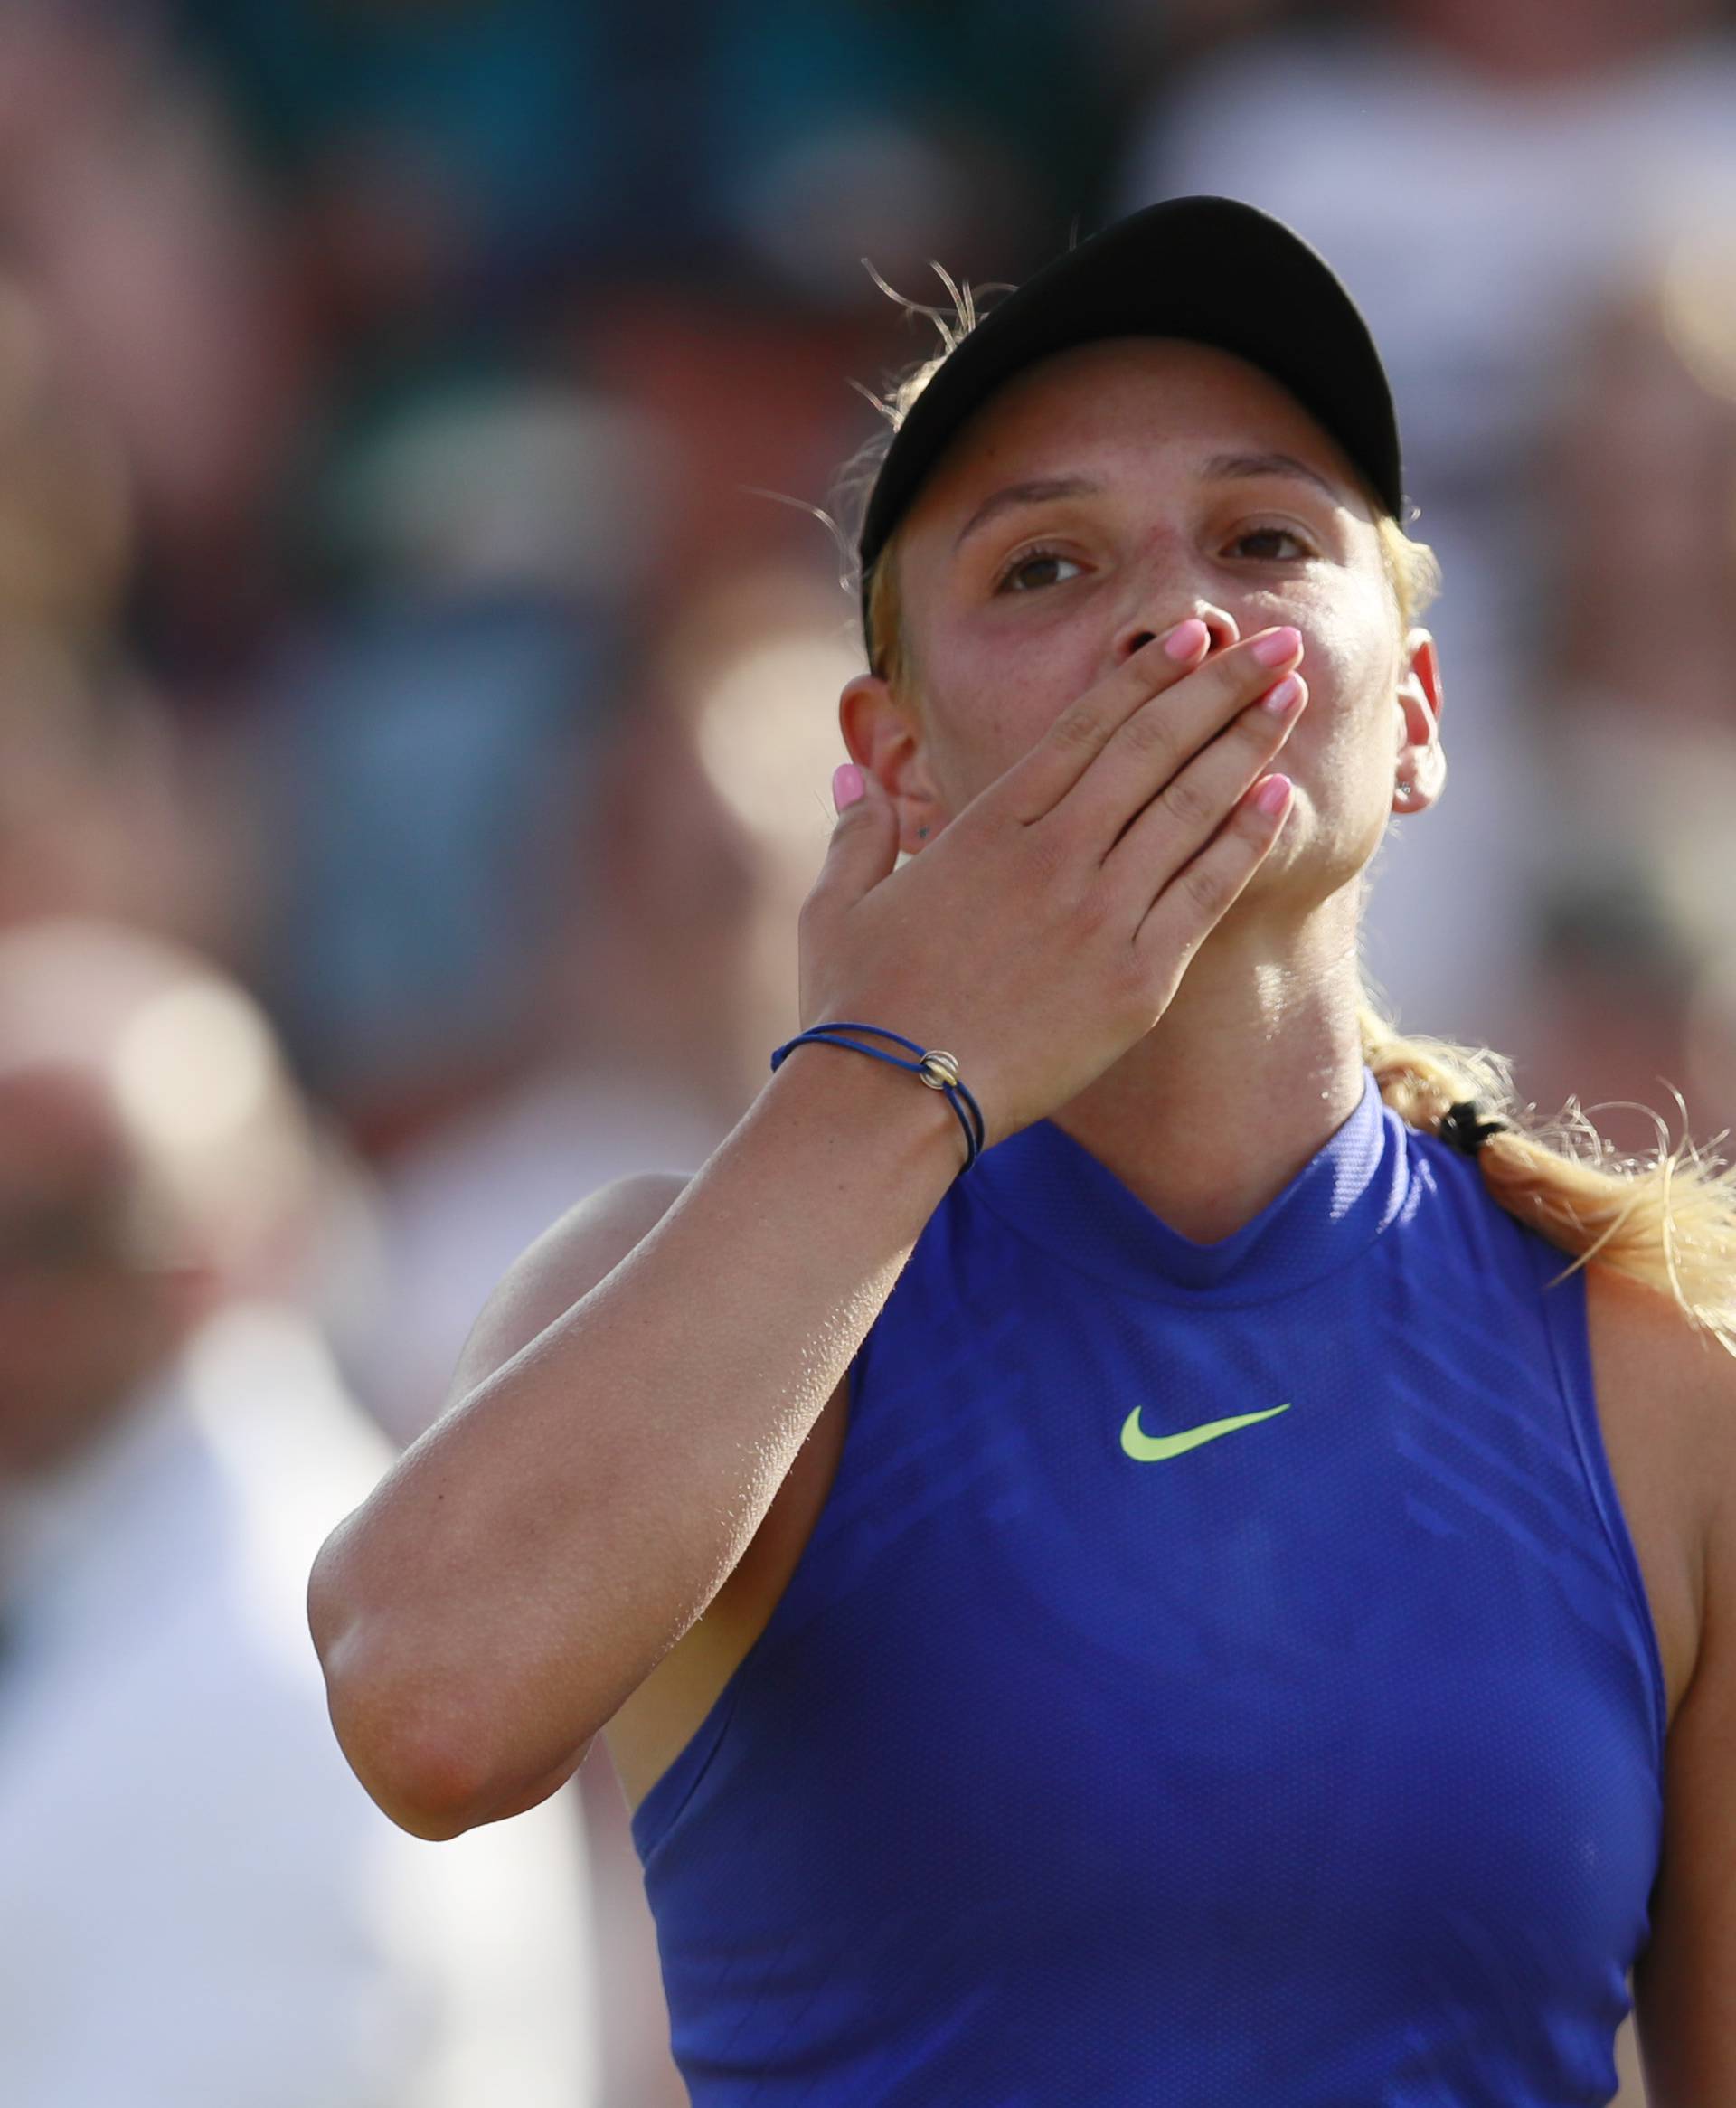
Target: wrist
935 1067
852 1097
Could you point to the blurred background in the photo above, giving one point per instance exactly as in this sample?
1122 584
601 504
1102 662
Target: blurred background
421 634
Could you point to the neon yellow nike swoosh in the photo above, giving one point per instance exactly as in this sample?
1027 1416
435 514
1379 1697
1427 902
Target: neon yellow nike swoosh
1151 1449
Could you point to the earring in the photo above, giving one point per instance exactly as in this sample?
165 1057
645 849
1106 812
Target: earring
1407 790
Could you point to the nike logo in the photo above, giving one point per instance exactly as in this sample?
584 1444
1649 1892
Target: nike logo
1151 1449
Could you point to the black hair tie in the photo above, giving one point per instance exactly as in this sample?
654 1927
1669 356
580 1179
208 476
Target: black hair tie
1462 1128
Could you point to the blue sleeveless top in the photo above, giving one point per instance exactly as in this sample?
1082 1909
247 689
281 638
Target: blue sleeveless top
1101 1752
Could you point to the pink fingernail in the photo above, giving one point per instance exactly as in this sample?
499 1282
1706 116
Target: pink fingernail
1281 694
1186 639
847 785
1273 795
1273 650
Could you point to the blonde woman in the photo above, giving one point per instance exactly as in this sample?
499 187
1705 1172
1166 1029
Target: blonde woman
1227 1594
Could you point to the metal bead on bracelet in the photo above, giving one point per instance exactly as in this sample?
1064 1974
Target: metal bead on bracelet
936 1068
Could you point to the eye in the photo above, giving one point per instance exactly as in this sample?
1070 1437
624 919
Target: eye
1268 535
1034 567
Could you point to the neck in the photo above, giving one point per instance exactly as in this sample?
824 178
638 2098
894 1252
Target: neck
1254 1065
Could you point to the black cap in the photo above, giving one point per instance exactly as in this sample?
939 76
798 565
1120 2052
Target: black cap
1212 269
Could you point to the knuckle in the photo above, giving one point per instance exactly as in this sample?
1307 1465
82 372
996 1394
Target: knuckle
1049 852
1167 944
1148 732
1205 887
1129 970
1130 980
1094 911
1189 802
1077 727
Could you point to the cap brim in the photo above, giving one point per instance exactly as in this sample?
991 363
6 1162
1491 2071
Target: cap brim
1212 269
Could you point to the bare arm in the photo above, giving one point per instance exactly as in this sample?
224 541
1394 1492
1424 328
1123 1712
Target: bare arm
527 1563
1684 1983
532 1558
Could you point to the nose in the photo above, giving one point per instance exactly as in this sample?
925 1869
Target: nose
1221 627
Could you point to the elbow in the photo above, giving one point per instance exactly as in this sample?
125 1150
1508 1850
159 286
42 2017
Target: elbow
432 1783
414 1808
430 1803
409 1748
406 1730
405 1746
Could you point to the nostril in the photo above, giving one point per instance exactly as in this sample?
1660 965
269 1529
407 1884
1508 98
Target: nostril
1220 624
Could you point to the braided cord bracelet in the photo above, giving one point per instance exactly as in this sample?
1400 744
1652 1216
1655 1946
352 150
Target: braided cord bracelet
937 1069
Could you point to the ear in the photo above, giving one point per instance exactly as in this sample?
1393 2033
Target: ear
883 734
1421 762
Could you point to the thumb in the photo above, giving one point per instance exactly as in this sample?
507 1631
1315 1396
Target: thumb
864 847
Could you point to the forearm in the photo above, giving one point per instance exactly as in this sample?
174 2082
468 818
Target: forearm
524 1567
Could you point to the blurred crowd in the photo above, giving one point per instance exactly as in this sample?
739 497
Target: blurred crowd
420 630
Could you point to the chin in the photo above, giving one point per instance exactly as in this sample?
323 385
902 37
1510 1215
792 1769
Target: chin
1316 856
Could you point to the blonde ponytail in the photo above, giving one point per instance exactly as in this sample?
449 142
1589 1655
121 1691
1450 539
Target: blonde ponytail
1668 1220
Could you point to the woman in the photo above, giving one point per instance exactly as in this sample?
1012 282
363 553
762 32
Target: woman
1160 1618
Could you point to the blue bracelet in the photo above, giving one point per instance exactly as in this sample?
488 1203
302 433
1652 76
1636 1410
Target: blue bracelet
939 1070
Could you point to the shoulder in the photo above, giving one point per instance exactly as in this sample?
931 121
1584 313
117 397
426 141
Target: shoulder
565 1263
1678 1382
1666 1404
1649 1353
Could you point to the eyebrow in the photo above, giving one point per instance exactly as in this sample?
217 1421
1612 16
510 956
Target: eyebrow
1041 492
1221 467
1225 466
